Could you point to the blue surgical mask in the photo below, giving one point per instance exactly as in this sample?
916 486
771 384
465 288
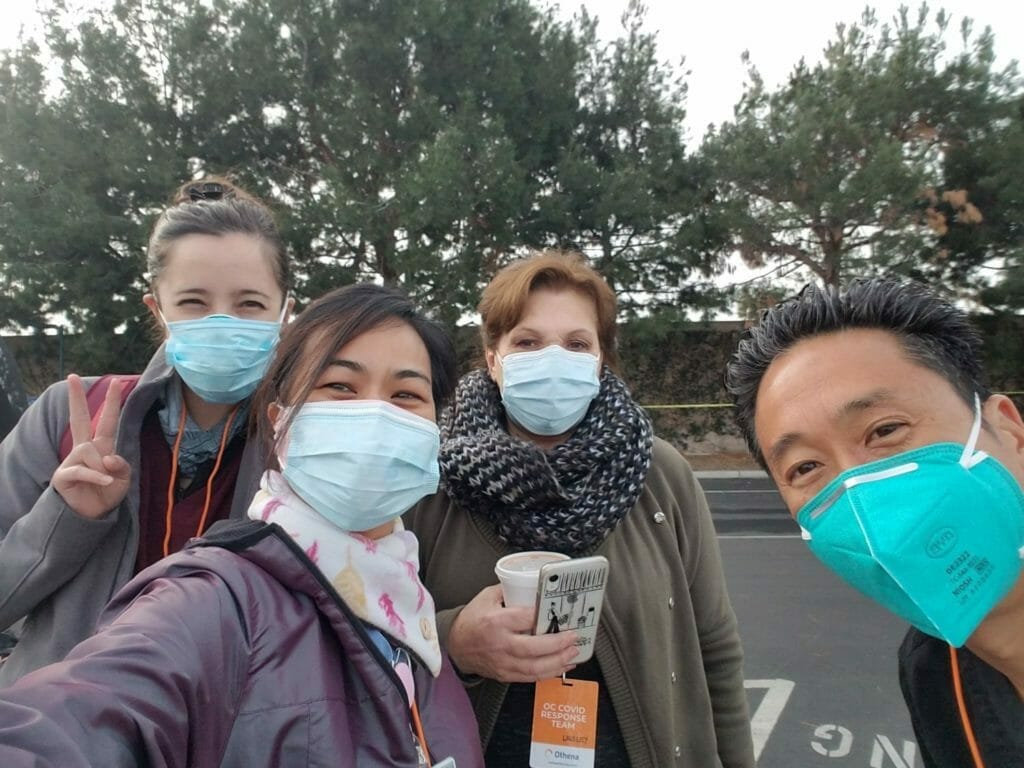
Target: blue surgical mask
935 534
360 463
548 392
220 357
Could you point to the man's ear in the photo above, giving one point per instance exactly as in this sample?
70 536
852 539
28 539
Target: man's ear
1002 415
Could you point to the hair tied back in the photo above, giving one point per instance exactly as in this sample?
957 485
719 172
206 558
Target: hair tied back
209 190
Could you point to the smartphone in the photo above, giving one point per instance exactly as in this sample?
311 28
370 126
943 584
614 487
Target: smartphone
569 597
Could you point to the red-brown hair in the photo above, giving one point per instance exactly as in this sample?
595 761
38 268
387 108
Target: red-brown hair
504 299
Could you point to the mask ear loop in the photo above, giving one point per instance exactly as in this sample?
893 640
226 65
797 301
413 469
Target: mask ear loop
967 458
281 437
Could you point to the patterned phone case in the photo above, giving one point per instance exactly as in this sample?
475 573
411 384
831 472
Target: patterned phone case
569 597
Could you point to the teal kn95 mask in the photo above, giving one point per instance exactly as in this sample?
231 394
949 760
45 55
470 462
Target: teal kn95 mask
935 534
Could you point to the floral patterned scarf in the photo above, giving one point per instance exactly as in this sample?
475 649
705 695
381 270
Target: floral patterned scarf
377 578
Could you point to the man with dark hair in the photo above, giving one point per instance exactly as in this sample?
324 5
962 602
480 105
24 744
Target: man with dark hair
866 407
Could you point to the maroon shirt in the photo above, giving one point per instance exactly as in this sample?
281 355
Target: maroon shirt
155 474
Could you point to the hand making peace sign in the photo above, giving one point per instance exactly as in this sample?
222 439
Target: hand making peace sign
93 479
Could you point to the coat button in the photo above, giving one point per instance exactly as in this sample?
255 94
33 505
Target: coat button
427 629
678 752
659 517
673 677
671 602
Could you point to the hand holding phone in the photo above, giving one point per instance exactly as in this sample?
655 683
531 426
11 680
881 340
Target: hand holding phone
570 594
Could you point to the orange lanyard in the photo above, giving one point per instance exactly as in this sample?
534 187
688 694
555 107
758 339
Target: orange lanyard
209 482
419 732
964 718
401 656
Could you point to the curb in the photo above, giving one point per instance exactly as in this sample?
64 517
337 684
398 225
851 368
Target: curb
718 473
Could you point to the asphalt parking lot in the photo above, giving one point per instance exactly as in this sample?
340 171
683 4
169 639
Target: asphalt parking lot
820 659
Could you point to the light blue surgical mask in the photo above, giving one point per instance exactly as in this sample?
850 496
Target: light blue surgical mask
548 391
360 463
935 534
221 357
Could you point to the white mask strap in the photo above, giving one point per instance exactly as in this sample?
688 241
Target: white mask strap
161 313
967 457
281 439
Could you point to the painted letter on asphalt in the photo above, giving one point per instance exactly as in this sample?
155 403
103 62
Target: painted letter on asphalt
827 732
883 748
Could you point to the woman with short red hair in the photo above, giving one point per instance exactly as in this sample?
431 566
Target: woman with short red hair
545 449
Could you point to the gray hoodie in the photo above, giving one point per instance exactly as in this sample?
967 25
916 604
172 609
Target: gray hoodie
58 569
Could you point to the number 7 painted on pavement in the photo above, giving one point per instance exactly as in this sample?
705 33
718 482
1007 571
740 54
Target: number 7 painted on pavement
768 712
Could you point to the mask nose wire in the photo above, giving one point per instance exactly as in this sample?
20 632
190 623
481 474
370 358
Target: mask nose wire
972 440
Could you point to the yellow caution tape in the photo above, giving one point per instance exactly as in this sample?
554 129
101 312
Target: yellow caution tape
688 405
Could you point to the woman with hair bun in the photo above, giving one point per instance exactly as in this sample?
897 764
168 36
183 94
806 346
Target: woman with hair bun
104 476
302 636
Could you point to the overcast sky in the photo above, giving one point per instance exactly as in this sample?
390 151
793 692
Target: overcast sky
712 35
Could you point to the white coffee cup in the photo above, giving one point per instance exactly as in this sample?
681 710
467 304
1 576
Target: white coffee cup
519 573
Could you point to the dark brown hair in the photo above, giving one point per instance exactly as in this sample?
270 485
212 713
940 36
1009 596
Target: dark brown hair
504 299
216 206
308 345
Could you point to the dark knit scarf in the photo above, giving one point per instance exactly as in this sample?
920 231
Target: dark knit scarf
567 499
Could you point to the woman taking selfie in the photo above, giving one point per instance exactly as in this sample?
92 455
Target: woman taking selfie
302 636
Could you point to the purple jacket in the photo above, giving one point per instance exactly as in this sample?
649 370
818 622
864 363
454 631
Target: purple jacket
234 652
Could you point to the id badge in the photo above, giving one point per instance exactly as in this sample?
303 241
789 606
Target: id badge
564 724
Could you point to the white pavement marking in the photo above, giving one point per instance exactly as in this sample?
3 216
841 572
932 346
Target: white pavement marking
906 760
738 490
745 473
767 714
827 731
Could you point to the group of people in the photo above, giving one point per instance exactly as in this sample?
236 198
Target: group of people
276 546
